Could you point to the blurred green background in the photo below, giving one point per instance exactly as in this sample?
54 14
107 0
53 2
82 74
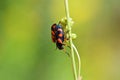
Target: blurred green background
26 49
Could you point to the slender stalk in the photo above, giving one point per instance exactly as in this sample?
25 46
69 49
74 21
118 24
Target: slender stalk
79 60
71 43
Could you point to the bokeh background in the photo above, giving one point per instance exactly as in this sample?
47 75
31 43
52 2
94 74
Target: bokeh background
26 49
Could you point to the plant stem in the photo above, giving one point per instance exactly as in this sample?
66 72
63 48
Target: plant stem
79 60
71 43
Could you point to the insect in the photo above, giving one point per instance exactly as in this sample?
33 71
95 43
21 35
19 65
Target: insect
57 35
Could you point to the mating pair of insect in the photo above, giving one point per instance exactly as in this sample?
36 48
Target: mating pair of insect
58 36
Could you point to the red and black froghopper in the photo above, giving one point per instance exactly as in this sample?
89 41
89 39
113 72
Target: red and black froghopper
57 35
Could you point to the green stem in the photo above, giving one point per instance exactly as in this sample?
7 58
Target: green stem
79 60
70 34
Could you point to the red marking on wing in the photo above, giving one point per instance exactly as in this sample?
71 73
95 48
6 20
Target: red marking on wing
60 35
53 39
53 36
53 33
59 41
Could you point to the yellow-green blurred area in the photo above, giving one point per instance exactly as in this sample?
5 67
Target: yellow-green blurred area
27 51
